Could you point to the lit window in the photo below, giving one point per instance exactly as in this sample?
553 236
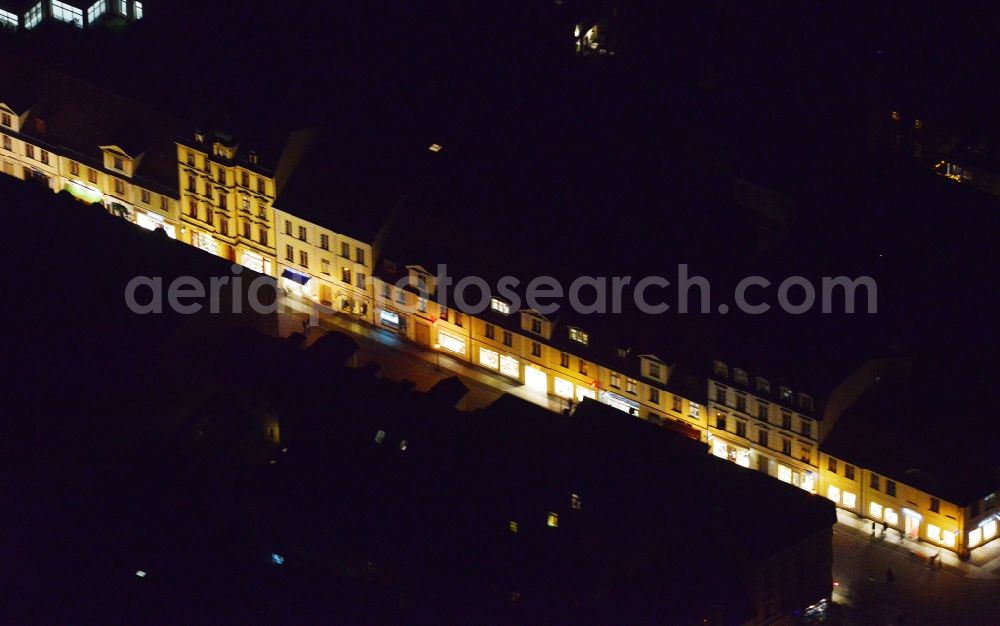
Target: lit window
66 13
875 510
948 538
784 474
33 16
10 21
434 147
563 388
891 517
500 306
975 537
630 386
553 520
850 500
512 525
740 376
833 493
786 394
695 410
489 358
380 436
894 116
933 532
575 502
578 335
123 7
451 344
918 124
138 10
990 530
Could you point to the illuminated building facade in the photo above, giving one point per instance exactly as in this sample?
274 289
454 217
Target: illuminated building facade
763 425
102 149
29 14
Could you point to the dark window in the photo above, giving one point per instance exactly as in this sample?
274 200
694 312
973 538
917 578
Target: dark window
720 421
786 446
848 472
890 487
490 328
741 429
831 464
873 483
564 360
536 326
935 505
536 348
508 339
762 438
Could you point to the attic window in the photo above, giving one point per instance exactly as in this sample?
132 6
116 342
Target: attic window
622 353
380 436
575 502
805 402
39 125
199 136
740 376
721 369
390 266
500 306
553 521
578 335
434 147
786 393
763 385
254 158
5 120
894 116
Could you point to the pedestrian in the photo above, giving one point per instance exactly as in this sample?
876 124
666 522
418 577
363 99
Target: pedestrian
889 577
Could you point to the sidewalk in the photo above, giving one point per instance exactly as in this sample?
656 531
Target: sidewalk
384 348
984 565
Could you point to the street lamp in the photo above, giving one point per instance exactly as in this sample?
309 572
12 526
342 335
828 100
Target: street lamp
437 356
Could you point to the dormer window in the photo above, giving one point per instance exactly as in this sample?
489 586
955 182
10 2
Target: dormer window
622 353
199 136
119 163
763 385
805 402
721 369
786 394
39 125
500 306
5 120
536 326
579 336
254 158
740 376
654 370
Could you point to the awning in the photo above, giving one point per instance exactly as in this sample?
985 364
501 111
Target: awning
298 277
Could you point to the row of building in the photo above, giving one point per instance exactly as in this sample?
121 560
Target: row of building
304 208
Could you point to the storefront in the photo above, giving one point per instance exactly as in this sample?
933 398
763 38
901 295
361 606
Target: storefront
803 479
730 452
392 321
90 195
295 283
451 343
511 367
152 221
205 242
535 379
621 403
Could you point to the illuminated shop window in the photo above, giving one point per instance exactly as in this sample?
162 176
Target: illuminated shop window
891 517
933 532
833 493
563 388
849 500
784 473
585 392
510 366
875 510
975 537
452 344
489 358
948 538
989 530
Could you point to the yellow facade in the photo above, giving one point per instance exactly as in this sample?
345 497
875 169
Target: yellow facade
226 208
338 267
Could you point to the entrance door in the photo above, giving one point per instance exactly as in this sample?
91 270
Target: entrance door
912 526
423 333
